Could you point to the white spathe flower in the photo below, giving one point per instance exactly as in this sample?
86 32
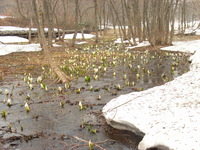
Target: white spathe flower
95 77
27 107
62 104
39 79
138 75
99 67
130 66
96 70
99 97
44 86
114 63
6 91
30 86
78 91
125 76
127 83
30 80
118 87
67 85
105 69
25 79
149 72
60 89
91 88
9 102
28 96
80 105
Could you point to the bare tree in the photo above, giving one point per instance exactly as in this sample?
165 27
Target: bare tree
96 20
158 21
40 16
76 22
49 10
118 20
25 11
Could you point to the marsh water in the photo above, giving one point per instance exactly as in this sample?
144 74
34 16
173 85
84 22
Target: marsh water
55 120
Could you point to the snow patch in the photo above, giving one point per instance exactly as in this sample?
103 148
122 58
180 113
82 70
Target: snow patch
79 36
13 28
10 48
4 17
80 43
17 30
142 44
184 46
197 31
139 44
12 39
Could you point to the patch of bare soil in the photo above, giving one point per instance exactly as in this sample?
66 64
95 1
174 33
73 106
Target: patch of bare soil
20 63
28 62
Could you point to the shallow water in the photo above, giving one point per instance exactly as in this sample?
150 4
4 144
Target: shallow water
49 126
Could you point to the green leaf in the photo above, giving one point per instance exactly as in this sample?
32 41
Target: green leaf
4 114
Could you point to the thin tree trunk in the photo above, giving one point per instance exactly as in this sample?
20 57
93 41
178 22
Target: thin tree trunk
61 75
119 22
172 25
96 19
64 19
104 18
76 23
29 31
130 22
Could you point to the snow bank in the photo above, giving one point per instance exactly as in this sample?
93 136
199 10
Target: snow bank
15 30
3 17
119 41
79 36
141 44
197 31
10 48
5 30
168 115
80 43
184 46
12 39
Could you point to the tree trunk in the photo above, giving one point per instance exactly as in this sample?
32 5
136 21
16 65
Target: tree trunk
64 19
61 75
76 23
29 31
119 22
130 20
104 18
96 23
172 25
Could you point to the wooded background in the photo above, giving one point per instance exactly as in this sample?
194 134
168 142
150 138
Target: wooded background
145 19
